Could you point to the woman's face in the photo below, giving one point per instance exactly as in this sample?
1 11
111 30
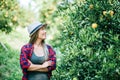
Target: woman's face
42 33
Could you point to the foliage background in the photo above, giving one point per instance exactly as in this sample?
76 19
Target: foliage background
90 40
84 34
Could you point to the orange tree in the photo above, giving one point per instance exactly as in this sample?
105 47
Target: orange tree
8 14
12 15
90 38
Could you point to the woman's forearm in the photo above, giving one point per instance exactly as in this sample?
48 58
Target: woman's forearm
34 67
38 67
43 70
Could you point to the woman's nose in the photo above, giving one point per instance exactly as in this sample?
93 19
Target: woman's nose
45 31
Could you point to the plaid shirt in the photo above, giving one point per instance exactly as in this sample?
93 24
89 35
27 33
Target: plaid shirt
26 52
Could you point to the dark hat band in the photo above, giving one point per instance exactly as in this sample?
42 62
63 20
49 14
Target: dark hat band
36 28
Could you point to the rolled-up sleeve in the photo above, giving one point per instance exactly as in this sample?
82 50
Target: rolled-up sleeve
23 59
52 57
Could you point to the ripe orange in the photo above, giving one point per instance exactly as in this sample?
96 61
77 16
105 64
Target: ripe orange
15 18
111 13
104 13
91 6
94 25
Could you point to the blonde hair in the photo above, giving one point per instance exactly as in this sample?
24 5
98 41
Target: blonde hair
32 40
46 51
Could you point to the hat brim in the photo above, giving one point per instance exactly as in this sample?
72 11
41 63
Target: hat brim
37 28
44 25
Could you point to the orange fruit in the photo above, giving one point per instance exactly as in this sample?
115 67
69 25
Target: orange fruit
91 6
2 6
94 25
15 18
6 2
111 13
104 13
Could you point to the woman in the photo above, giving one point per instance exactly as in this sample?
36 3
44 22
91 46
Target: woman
37 59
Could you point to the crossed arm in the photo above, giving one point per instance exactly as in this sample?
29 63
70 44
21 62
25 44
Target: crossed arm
41 68
45 67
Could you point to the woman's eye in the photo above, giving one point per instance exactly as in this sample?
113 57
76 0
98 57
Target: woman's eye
43 28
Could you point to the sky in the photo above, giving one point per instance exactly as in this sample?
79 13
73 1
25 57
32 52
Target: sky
29 4
25 3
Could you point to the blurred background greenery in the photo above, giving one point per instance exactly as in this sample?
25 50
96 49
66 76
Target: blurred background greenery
84 33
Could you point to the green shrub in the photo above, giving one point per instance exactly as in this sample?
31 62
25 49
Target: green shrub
9 64
90 40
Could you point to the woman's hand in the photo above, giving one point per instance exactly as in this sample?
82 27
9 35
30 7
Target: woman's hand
30 62
47 63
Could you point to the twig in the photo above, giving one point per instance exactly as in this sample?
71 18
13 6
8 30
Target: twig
3 46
